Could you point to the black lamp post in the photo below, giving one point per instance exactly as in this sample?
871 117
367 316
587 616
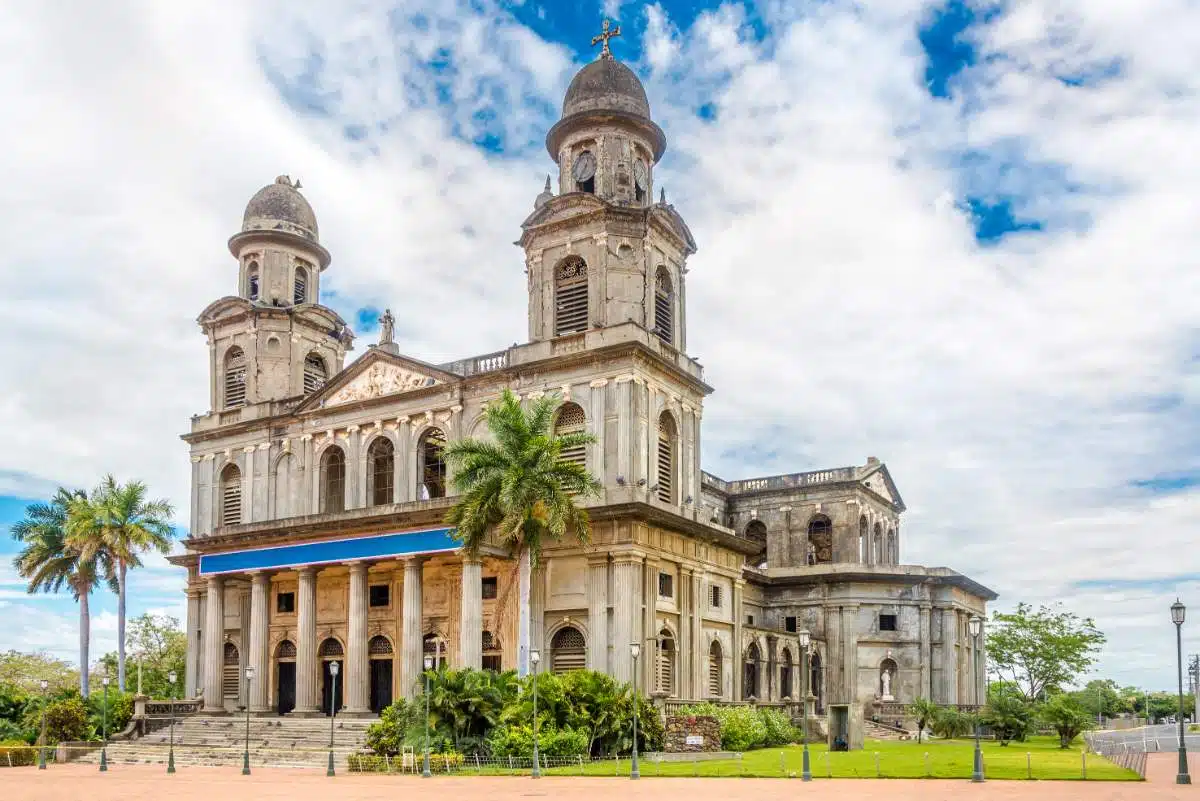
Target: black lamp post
535 656
975 627
635 649
428 662
171 677
42 743
104 728
805 642
246 753
1177 615
333 674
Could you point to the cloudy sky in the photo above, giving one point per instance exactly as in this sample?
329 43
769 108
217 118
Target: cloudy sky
959 236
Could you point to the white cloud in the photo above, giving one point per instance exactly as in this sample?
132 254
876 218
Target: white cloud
839 303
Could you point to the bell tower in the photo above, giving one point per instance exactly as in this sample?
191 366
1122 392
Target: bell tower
274 340
601 253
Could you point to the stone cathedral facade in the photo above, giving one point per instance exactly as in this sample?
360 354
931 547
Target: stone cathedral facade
318 490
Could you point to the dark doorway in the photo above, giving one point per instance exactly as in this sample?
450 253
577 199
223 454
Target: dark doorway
285 687
381 684
331 689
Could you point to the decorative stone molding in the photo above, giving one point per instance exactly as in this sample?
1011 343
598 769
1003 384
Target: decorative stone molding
599 382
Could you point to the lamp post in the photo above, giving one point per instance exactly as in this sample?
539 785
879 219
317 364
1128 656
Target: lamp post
1177 615
42 742
535 656
805 642
333 674
428 662
975 627
104 728
635 649
246 753
171 677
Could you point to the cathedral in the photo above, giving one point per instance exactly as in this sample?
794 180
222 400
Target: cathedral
318 490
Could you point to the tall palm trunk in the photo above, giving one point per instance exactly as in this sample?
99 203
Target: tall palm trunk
85 633
121 625
523 627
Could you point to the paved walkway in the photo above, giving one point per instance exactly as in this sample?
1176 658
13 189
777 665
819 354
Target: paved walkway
138 783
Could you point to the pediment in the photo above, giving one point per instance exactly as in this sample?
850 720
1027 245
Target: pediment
377 374
880 482
563 207
670 218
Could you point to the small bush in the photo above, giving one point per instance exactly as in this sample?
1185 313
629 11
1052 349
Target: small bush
950 723
388 735
518 741
742 727
17 754
67 720
779 728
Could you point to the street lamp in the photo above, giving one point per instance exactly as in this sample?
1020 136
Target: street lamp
428 662
104 727
1177 615
42 749
805 642
171 677
535 656
635 650
975 627
246 753
333 674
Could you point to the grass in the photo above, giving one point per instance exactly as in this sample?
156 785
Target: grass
1039 758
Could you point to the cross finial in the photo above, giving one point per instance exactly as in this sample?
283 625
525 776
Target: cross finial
605 35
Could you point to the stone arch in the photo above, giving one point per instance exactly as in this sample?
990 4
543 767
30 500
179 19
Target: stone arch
381 471
786 672
664 306
820 539
332 479
667 454
253 285
233 377
888 671
285 485
229 513
751 671
666 656
285 650
568 650
893 548
864 540
431 467
316 372
571 311
300 285
716 669
816 681
231 671
877 545
570 418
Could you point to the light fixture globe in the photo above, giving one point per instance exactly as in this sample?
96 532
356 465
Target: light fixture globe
805 638
975 625
535 656
334 667
172 676
1178 610
249 672
43 684
428 662
105 681
635 648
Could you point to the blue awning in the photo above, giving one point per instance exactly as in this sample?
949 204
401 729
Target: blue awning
378 546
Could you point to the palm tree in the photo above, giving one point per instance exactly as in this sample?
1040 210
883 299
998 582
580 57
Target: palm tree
118 521
48 562
519 491
924 711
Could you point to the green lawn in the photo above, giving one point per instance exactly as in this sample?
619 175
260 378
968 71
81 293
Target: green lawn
1039 758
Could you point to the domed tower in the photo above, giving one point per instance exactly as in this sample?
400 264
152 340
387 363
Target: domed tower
601 252
274 340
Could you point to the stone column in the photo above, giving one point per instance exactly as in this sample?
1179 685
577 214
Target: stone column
598 612
411 637
649 637
850 652
949 656
214 643
470 624
307 691
627 603
739 661
700 655
833 655
257 656
357 667
686 651
191 671
772 678
925 654
624 467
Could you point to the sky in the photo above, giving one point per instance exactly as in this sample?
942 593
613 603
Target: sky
959 236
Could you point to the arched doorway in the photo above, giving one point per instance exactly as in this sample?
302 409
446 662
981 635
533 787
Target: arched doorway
381 655
820 540
750 681
785 674
331 688
231 675
666 662
285 677
815 685
568 651
715 662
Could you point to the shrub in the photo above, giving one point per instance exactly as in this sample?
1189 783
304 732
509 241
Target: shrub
16 754
389 734
950 723
1008 717
742 727
66 720
518 741
1064 714
120 711
13 731
779 728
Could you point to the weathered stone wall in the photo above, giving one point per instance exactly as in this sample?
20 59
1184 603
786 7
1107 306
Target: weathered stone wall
681 727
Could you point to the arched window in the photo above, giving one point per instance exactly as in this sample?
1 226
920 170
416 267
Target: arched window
235 378
300 286
570 420
434 646
756 532
584 172
568 651
315 373
231 673
820 540
430 467
666 662
814 681
381 471
664 307
285 486
668 441
252 280
285 650
877 551
864 540
231 496
893 547
333 480
750 682
714 669
570 296
785 674
331 649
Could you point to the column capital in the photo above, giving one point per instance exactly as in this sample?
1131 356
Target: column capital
358 565
215 581
597 560
472 558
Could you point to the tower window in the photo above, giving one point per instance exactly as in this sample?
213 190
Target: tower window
333 480
584 172
789 624
714 596
231 496
664 307
667 442
570 296
887 622
252 280
432 469
314 373
235 378
571 420
300 286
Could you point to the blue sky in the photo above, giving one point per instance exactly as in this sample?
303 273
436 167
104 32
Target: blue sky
957 236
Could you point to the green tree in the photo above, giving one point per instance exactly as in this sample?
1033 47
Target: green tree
519 490
157 645
23 672
1102 697
51 560
950 723
1064 714
1043 649
121 523
1008 715
924 711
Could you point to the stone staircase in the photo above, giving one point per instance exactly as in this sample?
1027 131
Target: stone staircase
274 742
882 731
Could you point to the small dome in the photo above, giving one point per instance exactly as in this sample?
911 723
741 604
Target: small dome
606 85
281 207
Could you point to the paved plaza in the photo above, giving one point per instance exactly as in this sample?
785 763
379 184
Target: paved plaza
127 783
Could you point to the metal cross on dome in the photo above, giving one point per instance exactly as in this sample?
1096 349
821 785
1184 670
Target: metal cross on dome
605 35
